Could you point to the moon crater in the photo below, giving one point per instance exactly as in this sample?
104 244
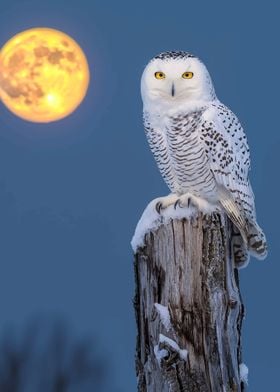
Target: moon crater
44 75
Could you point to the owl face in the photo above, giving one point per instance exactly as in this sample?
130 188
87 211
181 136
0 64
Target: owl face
173 80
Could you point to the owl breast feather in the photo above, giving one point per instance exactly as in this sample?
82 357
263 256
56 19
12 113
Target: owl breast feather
180 153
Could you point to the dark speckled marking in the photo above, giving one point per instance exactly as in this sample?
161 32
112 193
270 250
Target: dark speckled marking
174 54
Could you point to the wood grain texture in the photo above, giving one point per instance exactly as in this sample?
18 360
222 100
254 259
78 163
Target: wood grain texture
187 265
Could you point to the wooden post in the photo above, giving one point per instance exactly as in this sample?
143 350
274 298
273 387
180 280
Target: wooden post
188 308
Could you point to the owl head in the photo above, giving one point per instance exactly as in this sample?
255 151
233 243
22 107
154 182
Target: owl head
177 77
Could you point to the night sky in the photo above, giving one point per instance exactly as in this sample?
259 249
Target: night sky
72 191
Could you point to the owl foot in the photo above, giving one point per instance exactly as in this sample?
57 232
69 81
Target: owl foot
165 202
186 200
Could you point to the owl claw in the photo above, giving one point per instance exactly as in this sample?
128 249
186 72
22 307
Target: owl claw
177 204
158 207
164 202
184 201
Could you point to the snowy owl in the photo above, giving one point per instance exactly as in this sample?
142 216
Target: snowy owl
199 146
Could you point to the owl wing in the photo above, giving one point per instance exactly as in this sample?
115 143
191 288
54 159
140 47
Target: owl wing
229 158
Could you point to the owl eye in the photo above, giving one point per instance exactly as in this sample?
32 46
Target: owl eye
187 75
159 75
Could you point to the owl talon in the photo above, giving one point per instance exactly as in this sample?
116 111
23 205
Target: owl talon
177 204
164 202
185 201
158 207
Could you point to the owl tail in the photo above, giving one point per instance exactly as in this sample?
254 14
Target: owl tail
233 211
240 250
256 241
255 245
251 233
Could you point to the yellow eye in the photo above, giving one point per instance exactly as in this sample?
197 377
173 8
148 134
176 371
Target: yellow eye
187 75
160 75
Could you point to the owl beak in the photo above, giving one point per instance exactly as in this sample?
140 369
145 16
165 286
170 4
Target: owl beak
173 90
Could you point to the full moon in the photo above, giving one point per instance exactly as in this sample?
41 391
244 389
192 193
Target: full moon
44 75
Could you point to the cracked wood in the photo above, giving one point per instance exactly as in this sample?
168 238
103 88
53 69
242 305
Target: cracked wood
187 266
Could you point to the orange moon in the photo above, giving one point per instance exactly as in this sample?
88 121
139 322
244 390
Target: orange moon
44 75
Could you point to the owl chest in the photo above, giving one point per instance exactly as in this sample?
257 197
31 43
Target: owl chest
180 154
184 146
187 155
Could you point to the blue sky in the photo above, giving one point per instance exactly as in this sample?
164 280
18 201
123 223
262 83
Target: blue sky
71 192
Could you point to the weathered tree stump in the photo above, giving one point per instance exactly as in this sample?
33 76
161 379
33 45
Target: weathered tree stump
188 308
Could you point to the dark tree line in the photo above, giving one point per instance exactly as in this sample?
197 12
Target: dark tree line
48 358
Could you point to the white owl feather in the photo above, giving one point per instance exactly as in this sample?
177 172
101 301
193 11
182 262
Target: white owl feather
199 145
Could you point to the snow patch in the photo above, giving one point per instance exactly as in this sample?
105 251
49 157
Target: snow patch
160 354
243 371
164 316
182 353
151 220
